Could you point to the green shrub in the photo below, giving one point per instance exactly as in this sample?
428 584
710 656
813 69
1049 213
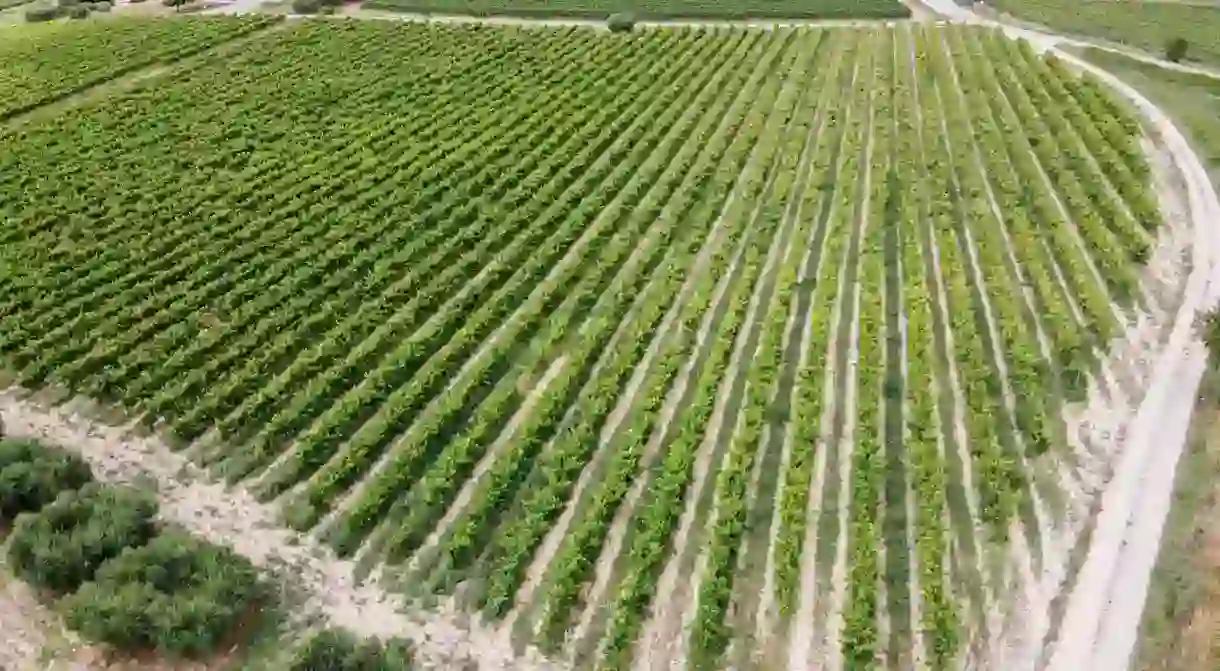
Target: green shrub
327 10
32 475
103 7
62 546
1176 49
177 594
305 6
342 651
78 12
623 22
1210 326
41 14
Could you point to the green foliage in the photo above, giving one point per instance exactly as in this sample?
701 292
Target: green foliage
62 546
32 475
41 14
337 650
305 6
1176 49
78 12
176 594
622 22
1211 335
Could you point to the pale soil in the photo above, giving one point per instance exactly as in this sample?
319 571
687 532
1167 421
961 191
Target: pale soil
233 517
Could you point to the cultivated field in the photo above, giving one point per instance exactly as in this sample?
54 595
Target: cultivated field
658 9
752 348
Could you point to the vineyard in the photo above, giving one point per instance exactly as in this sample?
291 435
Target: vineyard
745 348
657 9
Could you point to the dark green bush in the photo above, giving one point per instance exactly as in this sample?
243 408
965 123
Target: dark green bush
327 10
333 650
623 22
305 6
177 594
78 12
41 14
62 546
1176 49
32 475
1210 327
103 7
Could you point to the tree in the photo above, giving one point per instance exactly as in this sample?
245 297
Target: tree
1175 51
622 22
177 594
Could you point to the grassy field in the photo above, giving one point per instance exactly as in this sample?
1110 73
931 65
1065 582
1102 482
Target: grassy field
1145 25
658 9
765 331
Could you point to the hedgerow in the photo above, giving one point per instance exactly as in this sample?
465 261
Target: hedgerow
65 543
177 594
33 474
338 650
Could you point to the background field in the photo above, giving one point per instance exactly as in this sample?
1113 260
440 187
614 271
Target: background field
768 333
658 9
1145 25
